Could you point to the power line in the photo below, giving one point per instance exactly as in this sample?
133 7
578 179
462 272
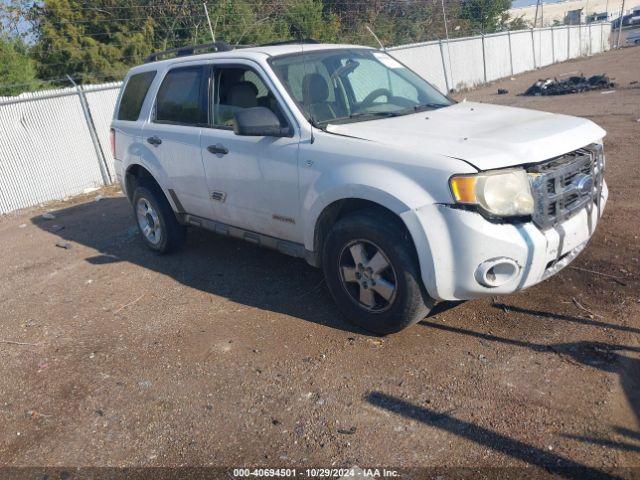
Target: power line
126 19
198 5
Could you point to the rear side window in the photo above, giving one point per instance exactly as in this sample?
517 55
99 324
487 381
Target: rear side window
134 95
182 97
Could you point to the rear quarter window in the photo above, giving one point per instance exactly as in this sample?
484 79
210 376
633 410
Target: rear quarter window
134 94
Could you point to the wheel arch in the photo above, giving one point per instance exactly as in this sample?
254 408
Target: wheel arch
136 173
338 208
403 203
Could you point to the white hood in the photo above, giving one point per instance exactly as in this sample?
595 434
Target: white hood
487 136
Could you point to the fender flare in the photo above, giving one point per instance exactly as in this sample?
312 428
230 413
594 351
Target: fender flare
406 213
157 173
363 182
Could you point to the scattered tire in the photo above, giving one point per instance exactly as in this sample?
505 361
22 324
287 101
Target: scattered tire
156 220
372 272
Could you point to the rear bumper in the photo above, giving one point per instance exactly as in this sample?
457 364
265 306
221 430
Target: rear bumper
453 244
119 169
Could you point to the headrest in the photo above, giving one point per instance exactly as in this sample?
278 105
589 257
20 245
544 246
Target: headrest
314 89
243 95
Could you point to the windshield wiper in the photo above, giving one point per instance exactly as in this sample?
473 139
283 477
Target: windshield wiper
427 106
362 115
417 108
373 114
396 113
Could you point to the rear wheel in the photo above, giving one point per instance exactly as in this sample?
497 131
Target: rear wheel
156 221
372 272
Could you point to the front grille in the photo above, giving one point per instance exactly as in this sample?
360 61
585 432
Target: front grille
564 185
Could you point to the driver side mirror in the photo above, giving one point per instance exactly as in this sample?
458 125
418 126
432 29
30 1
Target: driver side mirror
259 122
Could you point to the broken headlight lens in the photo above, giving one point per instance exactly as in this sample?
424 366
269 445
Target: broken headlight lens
505 193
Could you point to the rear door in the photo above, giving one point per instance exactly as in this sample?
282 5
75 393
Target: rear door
173 136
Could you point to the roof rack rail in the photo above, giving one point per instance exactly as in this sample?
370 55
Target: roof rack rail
290 42
189 50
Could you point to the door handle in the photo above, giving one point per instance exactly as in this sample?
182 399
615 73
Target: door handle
155 140
218 149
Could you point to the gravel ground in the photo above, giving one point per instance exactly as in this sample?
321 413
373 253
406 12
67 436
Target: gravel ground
229 355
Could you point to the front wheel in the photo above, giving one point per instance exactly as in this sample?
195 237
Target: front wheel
371 269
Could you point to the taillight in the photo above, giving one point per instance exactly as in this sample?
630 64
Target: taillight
112 141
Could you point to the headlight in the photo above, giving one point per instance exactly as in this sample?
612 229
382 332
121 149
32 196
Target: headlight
504 193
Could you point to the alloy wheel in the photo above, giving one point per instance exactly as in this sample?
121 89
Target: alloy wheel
149 221
367 275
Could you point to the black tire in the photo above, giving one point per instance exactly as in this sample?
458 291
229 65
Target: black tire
375 229
171 234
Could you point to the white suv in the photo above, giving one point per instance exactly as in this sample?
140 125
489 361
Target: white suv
343 156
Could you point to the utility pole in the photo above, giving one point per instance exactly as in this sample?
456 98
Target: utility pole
376 37
446 31
213 37
586 12
620 26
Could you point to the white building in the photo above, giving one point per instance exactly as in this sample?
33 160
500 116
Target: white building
555 13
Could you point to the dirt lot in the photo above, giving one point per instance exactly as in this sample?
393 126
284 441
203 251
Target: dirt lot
229 355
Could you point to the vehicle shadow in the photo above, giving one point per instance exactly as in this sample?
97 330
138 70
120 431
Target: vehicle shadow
226 267
599 355
557 464
566 318
223 266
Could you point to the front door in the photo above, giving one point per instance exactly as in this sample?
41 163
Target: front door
252 181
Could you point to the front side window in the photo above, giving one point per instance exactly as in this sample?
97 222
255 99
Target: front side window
236 88
348 85
182 97
134 95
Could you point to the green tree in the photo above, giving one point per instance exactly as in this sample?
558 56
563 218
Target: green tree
91 43
17 71
394 23
308 19
239 22
514 23
484 15
99 40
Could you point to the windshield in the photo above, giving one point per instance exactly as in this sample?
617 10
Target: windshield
350 85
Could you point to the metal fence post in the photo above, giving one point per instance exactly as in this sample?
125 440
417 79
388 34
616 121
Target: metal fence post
444 66
568 42
580 39
533 47
510 51
553 45
102 162
484 59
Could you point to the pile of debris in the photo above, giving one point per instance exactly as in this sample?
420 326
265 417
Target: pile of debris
553 86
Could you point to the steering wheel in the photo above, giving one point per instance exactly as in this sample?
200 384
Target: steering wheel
368 100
